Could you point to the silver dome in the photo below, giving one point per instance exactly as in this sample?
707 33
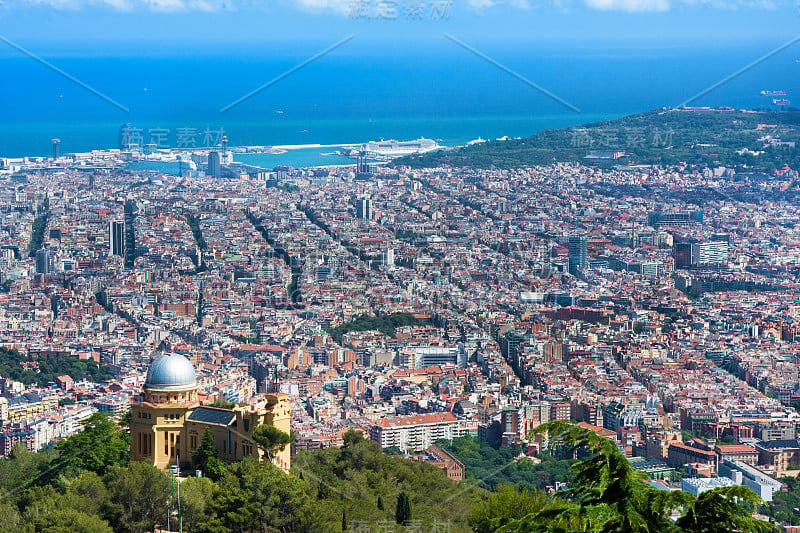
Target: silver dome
171 371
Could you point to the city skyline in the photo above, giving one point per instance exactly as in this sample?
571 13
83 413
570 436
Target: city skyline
383 265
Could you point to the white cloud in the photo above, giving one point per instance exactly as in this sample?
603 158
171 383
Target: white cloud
484 4
344 7
169 6
665 5
480 4
338 6
629 5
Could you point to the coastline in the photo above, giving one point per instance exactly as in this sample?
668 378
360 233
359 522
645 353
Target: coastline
261 157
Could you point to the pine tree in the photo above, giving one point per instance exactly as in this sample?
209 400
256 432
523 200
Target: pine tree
271 439
206 451
403 512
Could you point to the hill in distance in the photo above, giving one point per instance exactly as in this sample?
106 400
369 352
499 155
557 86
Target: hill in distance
752 140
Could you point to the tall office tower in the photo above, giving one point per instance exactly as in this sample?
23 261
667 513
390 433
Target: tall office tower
116 238
214 165
364 208
684 254
130 233
45 261
387 257
577 253
463 356
56 145
512 347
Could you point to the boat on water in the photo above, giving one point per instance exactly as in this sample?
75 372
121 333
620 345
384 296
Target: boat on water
392 148
781 102
773 93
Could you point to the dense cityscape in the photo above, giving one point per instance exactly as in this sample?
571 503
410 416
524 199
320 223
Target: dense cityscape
654 305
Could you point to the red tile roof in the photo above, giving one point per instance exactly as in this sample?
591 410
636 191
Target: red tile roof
416 420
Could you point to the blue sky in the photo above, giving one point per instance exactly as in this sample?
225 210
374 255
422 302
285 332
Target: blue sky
85 27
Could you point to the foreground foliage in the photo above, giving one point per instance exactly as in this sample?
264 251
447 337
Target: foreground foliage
368 484
85 484
489 467
608 496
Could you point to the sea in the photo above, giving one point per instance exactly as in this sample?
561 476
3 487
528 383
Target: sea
349 96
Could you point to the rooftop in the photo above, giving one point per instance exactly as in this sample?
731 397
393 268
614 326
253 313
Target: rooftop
212 415
171 372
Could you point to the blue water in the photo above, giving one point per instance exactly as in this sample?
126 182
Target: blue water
444 93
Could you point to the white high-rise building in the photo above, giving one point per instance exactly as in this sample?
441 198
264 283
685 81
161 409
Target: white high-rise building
416 432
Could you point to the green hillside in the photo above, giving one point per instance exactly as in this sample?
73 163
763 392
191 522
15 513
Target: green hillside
87 485
694 136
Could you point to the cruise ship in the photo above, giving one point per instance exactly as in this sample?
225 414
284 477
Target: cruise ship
392 148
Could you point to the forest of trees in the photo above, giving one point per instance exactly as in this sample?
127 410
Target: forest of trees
86 484
386 324
489 467
14 365
653 137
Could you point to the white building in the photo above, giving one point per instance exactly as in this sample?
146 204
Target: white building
416 432
699 485
435 355
749 476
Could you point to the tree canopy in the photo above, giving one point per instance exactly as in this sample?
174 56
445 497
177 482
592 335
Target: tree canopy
271 439
386 324
608 496
16 366
86 484
99 446
489 467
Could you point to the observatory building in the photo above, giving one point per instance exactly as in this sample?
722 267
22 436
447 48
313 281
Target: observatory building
168 421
